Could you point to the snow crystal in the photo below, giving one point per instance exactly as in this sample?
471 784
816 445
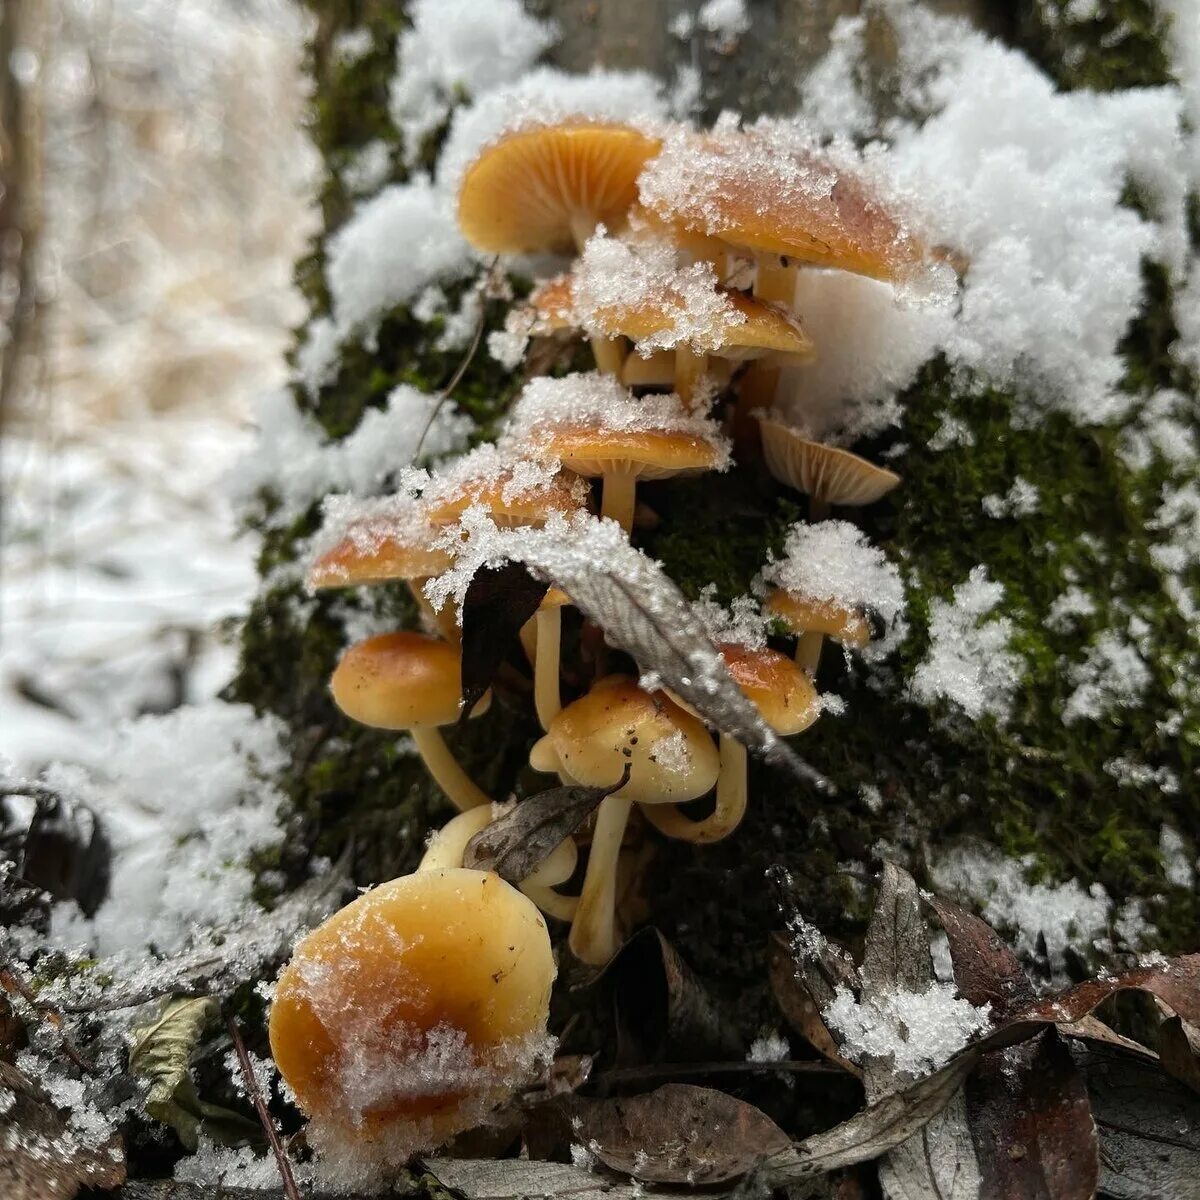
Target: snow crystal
296 461
1065 608
615 275
1112 675
953 431
519 477
368 170
833 561
368 523
673 754
351 45
871 796
1020 500
1178 864
1179 518
1128 772
969 660
507 347
742 623
186 800
771 1047
728 18
682 26
597 401
918 1031
1066 915
392 248
458 44
542 96
317 356
1161 428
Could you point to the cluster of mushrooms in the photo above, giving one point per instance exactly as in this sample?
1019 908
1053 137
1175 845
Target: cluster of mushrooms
696 309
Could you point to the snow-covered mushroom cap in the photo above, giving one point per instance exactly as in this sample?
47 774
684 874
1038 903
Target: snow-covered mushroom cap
769 190
780 690
413 1011
402 681
827 473
804 614
546 188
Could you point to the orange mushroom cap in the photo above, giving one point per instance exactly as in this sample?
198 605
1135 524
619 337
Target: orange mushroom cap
781 691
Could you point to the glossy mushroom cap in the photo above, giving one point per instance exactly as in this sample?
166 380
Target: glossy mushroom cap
508 503
670 754
415 1009
374 552
401 681
645 453
546 188
781 691
805 614
833 475
764 192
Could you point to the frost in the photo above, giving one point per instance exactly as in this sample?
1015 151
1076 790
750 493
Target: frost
455 44
507 347
390 251
542 96
742 623
1128 772
1112 675
1161 429
1178 865
1066 915
918 1031
1069 605
953 431
969 661
672 753
186 800
833 561
771 1047
1020 500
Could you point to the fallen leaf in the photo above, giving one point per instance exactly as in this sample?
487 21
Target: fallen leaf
1177 1052
896 953
1174 981
664 1013
793 992
40 1157
519 1179
498 602
162 1054
677 1134
517 843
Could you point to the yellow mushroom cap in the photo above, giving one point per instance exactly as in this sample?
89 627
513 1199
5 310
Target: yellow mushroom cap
401 681
546 188
377 551
553 305
781 691
670 754
763 191
804 614
645 453
827 472
414 1010
509 500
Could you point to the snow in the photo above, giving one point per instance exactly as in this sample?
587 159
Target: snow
833 561
917 1031
615 275
392 248
185 800
728 18
1067 915
770 1048
1020 500
741 623
542 96
458 44
1128 772
969 661
1065 608
1111 675
1178 865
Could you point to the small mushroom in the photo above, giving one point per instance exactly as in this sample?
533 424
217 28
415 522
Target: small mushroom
408 681
828 475
395 543
671 758
813 620
408 1015
787 700
547 187
599 429
449 844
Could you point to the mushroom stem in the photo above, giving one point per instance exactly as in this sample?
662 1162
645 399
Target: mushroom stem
818 508
608 355
556 868
447 774
547 699
528 636
442 620
756 390
731 802
775 281
593 937
618 498
808 651
562 908
689 370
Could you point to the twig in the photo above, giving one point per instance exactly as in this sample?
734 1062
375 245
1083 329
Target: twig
669 1071
260 1106
14 984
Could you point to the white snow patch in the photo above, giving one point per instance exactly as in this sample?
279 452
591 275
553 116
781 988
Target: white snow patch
1112 675
1021 500
1178 865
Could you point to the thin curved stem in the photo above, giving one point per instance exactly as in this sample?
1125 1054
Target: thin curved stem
689 370
547 697
561 908
619 498
447 774
729 810
593 937
808 651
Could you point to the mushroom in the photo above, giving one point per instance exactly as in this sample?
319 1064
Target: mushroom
640 295
814 620
547 187
828 475
412 682
671 758
787 700
392 540
547 643
449 844
599 429
408 1015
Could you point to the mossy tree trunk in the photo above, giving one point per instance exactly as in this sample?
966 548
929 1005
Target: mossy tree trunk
1036 786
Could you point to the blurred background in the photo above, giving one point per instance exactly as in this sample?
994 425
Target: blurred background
155 188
